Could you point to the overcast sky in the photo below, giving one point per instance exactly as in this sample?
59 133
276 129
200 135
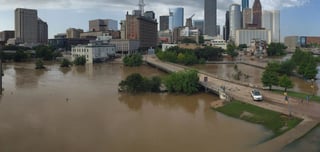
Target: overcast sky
62 14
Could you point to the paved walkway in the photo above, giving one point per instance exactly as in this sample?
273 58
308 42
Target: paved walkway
309 112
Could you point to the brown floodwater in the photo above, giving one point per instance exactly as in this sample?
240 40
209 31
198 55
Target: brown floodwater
80 110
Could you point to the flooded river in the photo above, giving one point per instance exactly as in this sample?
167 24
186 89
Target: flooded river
80 110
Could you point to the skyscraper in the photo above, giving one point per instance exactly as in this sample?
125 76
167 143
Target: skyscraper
245 4
235 20
103 25
176 17
226 32
26 25
210 17
256 13
276 26
42 32
164 23
267 20
246 17
199 24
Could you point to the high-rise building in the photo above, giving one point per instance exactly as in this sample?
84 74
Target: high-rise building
123 29
210 17
143 29
150 15
276 26
271 21
226 29
199 24
26 25
103 25
218 30
176 16
5 35
257 13
246 17
42 32
235 20
245 4
164 23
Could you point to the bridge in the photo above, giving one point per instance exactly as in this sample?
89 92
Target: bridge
310 112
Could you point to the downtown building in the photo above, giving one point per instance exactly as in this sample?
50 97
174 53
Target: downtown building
210 17
29 29
103 25
176 16
143 29
164 22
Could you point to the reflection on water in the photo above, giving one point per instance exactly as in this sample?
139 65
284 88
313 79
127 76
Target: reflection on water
80 110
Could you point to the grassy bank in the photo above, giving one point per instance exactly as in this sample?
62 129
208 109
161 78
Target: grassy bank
299 95
277 122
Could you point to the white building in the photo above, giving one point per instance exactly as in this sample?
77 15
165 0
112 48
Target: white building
125 46
244 36
219 42
271 21
93 52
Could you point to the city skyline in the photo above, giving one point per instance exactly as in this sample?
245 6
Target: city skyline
51 11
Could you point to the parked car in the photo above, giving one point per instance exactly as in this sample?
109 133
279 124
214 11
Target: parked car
256 95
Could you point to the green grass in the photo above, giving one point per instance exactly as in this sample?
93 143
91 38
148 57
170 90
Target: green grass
298 95
271 120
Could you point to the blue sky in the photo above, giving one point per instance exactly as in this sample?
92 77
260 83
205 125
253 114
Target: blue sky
298 17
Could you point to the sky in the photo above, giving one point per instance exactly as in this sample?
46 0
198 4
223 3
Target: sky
298 17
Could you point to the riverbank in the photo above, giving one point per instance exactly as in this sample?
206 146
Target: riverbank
277 122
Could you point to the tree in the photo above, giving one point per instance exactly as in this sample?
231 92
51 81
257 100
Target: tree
133 60
276 49
269 78
65 63
182 82
286 67
242 46
136 83
20 56
188 40
231 50
285 82
80 60
39 64
201 39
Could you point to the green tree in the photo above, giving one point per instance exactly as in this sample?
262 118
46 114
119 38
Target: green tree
231 50
276 49
136 83
80 60
182 82
286 67
242 46
201 39
188 40
20 56
65 63
39 64
285 82
269 78
133 60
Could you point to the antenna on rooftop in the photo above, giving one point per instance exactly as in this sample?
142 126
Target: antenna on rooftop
141 6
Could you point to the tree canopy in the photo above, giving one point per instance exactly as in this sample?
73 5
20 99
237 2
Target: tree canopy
182 82
276 49
133 60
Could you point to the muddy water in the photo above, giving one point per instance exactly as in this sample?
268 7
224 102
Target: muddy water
80 110
228 71
310 142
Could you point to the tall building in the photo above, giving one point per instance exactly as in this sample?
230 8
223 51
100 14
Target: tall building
143 29
276 26
164 23
257 13
123 29
245 4
226 29
210 17
176 17
267 20
5 35
103 25
235 20
73 33
246 17
199 24
42 32
150 15
218 30
26 25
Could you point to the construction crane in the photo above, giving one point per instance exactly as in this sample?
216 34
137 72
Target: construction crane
189 20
